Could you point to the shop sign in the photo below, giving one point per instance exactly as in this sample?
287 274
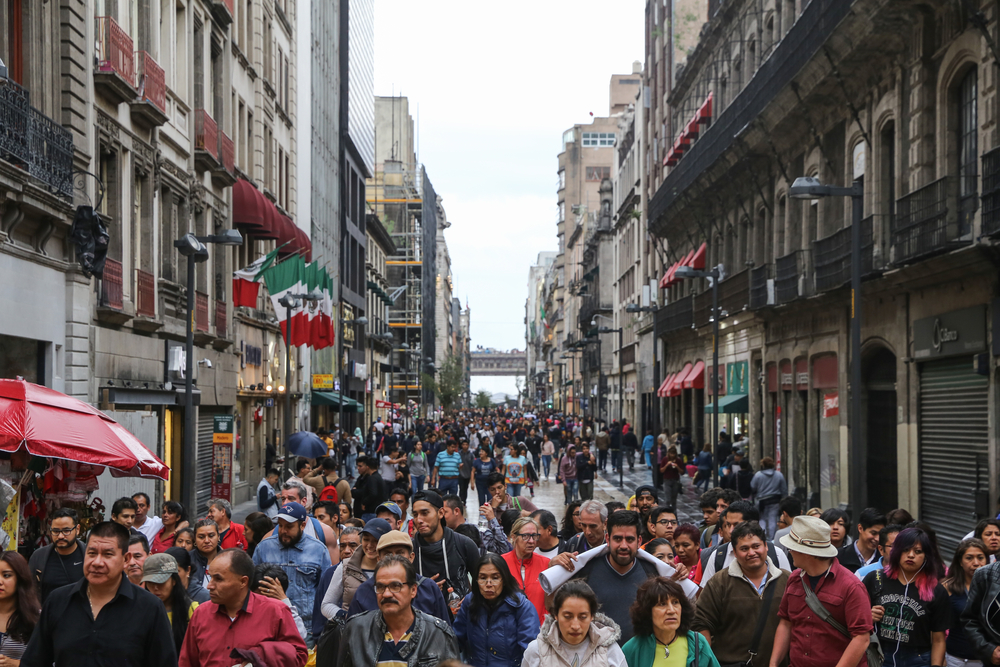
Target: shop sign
737 377
268 402
718 377
322 382
955 333
831 405
222 457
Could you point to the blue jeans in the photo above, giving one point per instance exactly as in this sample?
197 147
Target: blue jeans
484 493
514 490
546 463
616 458
417 483
904 657
648 454
446 486
569 490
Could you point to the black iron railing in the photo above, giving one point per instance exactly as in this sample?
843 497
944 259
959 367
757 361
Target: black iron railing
675 316
590 305
787 271
927 222
760 294
832 259
33 141
868 266
991 192
734 298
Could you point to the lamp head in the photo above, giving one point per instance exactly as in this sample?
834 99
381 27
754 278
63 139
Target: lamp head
362 321
807 187
631 308
405 346
228 237
593 322
288 301
189 246
685 272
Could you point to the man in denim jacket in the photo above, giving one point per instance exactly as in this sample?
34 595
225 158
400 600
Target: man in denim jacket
303 558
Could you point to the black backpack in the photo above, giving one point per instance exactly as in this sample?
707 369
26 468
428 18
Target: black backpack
720 555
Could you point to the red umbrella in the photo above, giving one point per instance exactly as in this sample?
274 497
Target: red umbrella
48 423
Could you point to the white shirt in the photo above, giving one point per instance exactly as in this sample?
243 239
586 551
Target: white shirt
616 658
151 528
379 426
387 470
548 554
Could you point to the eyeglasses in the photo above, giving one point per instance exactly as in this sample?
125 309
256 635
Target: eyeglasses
62 531
527 537
666 522
394 586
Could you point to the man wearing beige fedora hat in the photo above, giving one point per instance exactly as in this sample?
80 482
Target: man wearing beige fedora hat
833 626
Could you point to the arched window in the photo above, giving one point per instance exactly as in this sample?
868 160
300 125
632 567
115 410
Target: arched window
968 151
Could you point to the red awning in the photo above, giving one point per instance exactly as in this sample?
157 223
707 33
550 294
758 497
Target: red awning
675 387
705 112
269 229
287 240
696 378
692 129
697 260
304 244
248 206
662 391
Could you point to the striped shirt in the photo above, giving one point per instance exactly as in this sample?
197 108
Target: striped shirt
448 464
389 655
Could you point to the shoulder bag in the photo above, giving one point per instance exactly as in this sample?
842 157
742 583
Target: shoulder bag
874 652
759 630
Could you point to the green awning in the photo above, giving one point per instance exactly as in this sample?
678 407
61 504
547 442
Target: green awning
332 398
734 404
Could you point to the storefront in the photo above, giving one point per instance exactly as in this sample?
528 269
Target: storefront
953 421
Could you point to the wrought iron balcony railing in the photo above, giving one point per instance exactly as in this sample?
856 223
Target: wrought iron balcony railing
220 318
789 274
111 285
114 49
146 292
150 81
201 311
991 193
675 316
32 141
206 133
927 222
761 286
226 153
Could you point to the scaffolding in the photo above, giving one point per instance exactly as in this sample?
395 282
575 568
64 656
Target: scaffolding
395 193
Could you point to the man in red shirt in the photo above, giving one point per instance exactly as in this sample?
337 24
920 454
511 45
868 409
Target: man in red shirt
239 627
802 635
230 534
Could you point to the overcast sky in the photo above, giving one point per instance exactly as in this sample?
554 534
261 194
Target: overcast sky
494 87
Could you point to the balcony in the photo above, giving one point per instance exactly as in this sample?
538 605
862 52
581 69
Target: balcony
206 141
145 302
34 142
149 108
675 316
222 10
201 312
590 305
114 75
111 301
220 319
991 193
761 286
224 174
734 298
832 259
791 274
927 222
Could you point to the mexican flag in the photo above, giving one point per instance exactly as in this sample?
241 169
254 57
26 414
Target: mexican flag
246 281
322 324
284 278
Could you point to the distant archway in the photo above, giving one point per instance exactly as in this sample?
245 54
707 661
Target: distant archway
880 403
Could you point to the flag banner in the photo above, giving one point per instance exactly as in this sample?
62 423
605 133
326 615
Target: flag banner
288 277
246 283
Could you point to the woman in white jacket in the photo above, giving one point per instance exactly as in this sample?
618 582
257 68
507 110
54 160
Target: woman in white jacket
575 634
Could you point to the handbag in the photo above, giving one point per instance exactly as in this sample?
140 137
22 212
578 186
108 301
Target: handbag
874 651
758 631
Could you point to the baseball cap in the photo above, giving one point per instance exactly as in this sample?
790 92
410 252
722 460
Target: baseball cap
392 507
395 538
158 568
429 497
292 512
377 528
646 490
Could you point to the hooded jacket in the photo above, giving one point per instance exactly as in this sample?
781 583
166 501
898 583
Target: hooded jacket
767 483
499 637
980 611
604 634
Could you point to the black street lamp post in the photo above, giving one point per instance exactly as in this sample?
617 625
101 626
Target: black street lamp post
621 397
290 302
193 248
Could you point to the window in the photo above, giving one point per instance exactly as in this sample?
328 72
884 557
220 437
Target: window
596 139
562 179
598 173
967 151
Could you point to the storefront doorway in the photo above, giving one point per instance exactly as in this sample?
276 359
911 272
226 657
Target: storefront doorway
880 429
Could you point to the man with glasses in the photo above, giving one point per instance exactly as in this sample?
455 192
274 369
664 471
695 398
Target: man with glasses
385 636
661 522
61 562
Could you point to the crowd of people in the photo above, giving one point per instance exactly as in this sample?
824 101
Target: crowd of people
379 566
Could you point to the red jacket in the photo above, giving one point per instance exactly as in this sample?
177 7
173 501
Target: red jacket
264 625
533 567
234 537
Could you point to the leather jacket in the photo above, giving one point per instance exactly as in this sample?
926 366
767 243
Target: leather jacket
431 642
983 601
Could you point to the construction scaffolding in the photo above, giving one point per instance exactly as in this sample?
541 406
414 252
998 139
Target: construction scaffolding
397 195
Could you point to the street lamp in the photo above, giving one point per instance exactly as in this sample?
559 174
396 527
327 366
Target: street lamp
621 395
362 321
290 302
713 274
810 187
192 247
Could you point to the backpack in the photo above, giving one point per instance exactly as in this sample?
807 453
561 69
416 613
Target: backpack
329 492
720 556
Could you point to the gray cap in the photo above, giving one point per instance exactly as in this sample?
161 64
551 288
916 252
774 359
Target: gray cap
158 568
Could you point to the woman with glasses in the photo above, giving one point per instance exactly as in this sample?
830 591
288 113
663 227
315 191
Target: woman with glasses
496 621
525 565
174 518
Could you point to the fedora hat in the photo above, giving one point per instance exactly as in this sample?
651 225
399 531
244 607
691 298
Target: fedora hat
810 535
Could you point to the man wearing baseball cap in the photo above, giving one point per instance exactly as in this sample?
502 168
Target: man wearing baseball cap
429 598
304 559
802 634
391 512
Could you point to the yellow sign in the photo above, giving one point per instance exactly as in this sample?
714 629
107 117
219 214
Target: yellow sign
323 382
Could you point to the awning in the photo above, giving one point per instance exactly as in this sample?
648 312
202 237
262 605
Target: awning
248 206
304 245
270 228
696 378
662 391
286 236
333 398
678 383
697 261
734 404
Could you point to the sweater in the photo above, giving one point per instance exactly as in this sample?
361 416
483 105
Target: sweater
767 483
640 651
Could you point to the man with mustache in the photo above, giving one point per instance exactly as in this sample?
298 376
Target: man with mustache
61 562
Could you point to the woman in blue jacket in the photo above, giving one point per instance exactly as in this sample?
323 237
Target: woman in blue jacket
496 622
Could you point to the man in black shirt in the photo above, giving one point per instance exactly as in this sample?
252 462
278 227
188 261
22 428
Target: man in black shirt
61 562
369 489
82 624
442 554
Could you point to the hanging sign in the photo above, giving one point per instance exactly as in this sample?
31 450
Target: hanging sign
831 405
222 457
